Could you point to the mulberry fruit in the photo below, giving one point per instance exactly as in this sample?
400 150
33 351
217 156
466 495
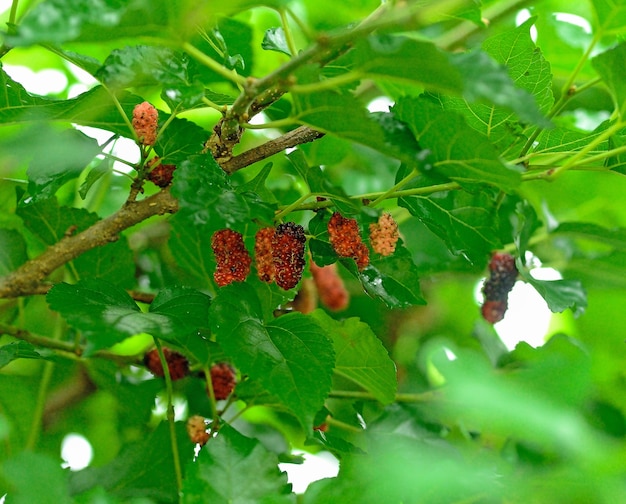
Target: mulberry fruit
288 254
197 430
145 123
384 235
263 254
346 239
160 174
232 258
306 299
223 380
177 364
502 277
330 287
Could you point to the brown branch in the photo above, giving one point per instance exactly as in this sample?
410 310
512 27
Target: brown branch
28 277
300 135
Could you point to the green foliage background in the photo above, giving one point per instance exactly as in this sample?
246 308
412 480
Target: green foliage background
501 136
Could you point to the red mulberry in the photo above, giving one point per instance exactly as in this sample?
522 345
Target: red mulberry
145 123
288 254
223 380
161 175
232 258
346 239
263 254
197 430
330 286
502 277
384 235
177 364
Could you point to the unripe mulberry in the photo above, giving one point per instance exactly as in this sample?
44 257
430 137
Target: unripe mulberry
161 175
502 277
197 430
384 235
177 364
223 380
288 254
145 123
232 258
330 287
346 239
263 254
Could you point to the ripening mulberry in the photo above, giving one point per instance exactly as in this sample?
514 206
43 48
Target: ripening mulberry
161 175
177 364
346 239
145 123
288 254
223 380
232 258
502 277
330 287
384 235
197 430
263 254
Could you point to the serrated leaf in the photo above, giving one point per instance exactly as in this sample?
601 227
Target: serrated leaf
459 152
12 251
67 154
393 279
274 40
18 350
113 262
221 473
96 173
144 467
181 140
462 221
560 294
107 315
361 357
257 185
51 487
339 114
610 66
290 356
191 248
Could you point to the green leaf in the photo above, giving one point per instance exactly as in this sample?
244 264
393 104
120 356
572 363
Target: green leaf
392 279
361 357
257 185
600 272
181 140
463 221
615 237
560 294
610 66
290 356
17 350
107 315
49 487
223 468
274 40
113 262
191 248
609 16
12 251
143 468
338 114
103 168
459 152
66 156
525 223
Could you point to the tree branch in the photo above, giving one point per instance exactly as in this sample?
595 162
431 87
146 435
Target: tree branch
300 135
28 277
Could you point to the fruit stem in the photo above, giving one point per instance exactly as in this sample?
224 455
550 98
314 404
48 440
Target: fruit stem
170 415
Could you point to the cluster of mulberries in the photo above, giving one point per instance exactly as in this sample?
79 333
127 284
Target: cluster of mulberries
145 123
502 277
197 430
223 380
232 258
288 254
345 238
160 174
384 235
177 364
330 287
263 254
